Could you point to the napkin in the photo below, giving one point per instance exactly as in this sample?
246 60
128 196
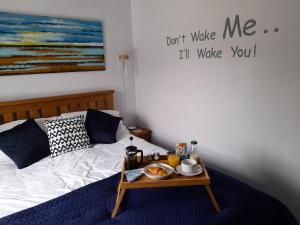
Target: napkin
132 175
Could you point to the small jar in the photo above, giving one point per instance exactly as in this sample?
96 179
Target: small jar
194 151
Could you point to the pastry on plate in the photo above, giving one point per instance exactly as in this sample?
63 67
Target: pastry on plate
157 171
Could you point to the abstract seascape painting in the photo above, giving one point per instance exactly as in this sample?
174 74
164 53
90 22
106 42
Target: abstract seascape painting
42 44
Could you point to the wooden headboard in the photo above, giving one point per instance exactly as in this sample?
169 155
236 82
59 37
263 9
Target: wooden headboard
55 105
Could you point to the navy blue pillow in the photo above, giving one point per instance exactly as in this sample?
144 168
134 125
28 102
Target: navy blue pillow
101 127
25 144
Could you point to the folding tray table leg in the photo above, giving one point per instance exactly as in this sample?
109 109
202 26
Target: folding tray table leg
212 198
120 196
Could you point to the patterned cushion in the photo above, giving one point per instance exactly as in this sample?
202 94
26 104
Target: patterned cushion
66 135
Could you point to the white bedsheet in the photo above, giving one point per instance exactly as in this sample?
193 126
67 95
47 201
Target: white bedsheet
53 177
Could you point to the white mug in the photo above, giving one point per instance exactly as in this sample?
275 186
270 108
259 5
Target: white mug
188 165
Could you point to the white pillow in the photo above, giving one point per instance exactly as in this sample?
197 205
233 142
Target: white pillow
10 125
4 158
72 114
122 131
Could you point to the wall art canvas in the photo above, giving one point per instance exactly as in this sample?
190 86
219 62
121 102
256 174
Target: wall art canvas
41 44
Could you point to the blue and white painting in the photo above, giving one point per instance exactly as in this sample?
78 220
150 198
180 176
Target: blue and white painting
41 44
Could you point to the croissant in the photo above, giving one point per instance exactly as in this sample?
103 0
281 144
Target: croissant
162 172
157 171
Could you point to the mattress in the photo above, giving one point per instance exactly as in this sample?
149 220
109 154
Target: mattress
54 177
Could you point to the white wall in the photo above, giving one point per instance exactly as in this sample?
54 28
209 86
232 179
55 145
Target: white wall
116 18
244 112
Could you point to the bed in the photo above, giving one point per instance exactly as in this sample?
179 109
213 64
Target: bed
79 187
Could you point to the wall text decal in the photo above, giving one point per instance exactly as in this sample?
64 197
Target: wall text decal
232 28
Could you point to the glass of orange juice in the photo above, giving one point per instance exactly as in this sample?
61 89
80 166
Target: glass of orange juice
173 160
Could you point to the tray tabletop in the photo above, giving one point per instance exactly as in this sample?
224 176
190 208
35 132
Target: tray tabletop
172 181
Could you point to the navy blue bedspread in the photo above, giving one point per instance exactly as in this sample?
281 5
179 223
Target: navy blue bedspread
92 204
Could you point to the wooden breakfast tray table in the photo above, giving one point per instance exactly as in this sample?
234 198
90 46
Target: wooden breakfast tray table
174 180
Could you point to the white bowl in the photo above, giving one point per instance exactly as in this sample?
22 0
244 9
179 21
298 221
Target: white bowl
156 177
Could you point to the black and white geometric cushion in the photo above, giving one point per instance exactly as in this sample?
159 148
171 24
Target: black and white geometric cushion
66 135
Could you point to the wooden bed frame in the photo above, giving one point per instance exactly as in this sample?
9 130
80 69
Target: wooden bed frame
55 105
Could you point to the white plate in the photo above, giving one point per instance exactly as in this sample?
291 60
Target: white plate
198 171
156 177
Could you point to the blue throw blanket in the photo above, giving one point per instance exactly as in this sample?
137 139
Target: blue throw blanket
93 204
